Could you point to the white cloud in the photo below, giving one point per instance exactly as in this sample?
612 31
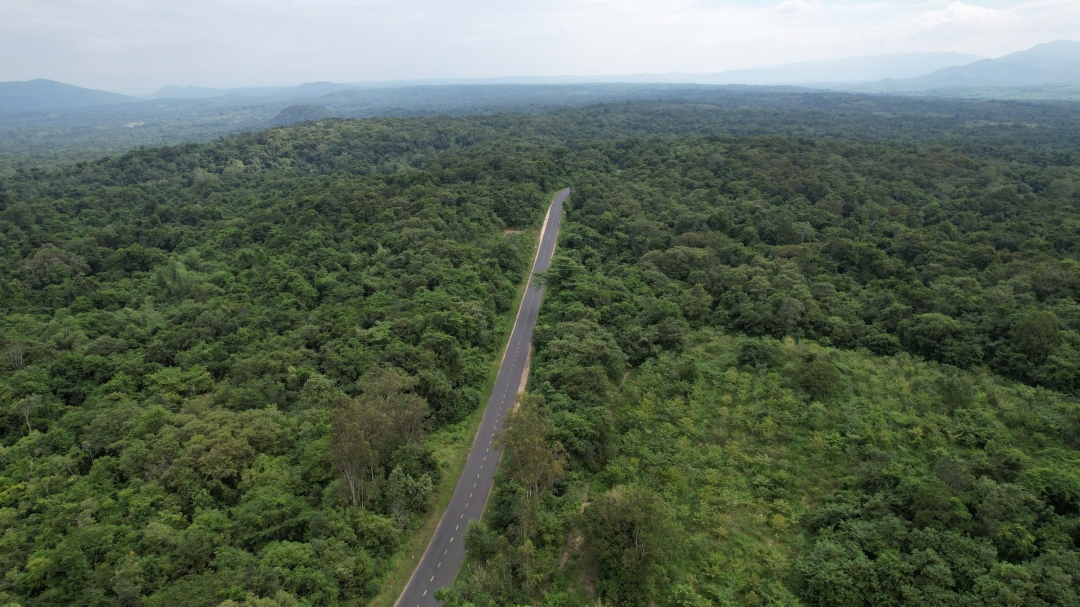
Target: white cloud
960 23
958 14
797 6
137 45
996 31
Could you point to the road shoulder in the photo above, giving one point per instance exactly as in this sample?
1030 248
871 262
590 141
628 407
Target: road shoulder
456 443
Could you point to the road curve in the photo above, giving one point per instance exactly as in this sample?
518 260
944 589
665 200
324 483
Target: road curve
445 553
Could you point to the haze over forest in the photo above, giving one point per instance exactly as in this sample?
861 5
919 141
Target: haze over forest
139 46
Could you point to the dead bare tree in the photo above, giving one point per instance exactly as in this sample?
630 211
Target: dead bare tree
351 452
13 354
25 407
369 428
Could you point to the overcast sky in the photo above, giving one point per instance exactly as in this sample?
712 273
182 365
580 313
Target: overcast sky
136 46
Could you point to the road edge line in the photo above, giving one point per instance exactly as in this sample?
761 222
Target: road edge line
539 245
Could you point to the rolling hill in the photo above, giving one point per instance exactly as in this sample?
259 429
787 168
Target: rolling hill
49 95
1051 64
308 89
850 69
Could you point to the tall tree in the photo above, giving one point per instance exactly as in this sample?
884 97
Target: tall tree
529 457
369 428
351 452
633 532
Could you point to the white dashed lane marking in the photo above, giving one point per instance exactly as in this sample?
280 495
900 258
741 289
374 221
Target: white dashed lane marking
528 313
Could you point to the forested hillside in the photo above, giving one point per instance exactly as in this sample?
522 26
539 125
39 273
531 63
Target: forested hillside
182 332
961 261
1042 133
810 361
693 469
762 472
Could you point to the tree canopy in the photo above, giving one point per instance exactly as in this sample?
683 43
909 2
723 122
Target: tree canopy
812 357
219 366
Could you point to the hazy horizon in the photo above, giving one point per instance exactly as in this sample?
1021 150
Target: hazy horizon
138 46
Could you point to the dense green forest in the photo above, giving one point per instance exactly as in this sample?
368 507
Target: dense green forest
833 468
964 262
751 471
1044 133
180 333
801 358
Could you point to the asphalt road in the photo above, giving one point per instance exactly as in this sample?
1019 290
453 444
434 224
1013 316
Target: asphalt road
446 551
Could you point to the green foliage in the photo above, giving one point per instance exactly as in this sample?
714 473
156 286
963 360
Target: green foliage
406 495
857 444
179 327
880 497
481 542
899 249
1037 133
765 353
634 536
820 378
529 457
218 363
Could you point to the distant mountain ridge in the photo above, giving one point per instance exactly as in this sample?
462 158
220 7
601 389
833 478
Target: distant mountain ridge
1052 63
308 89
48 95
300 113
851 69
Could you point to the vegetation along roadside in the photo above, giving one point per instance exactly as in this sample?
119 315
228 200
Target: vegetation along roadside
826 367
